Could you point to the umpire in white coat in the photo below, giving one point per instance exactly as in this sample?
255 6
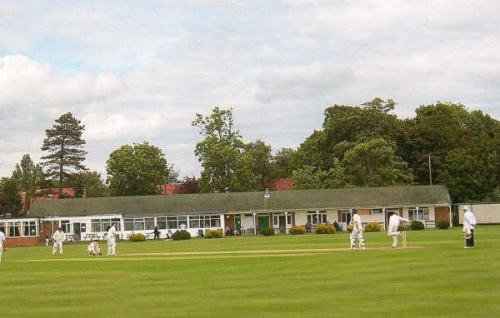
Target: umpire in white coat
2 239
393 229
469 225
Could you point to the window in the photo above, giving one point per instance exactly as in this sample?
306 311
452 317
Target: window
194 222
376 211
139 224
214 221
150 223
418 214
172 222
161 222
129 224
316 217
103 225
204 221
14 229
30 228
65 226
182 221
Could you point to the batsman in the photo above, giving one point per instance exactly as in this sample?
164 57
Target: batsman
357 231
393 229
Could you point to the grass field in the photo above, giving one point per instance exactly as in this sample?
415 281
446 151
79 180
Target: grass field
282 276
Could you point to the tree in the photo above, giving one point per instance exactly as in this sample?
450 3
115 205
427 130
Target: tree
261 161
65 148
284 161
374 163
28 178
88 184
221 154
138 170
312 178
10 198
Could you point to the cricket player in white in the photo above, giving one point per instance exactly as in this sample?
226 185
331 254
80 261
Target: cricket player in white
111 238
94 248
58 238
468 229
2 238
357 231
392 230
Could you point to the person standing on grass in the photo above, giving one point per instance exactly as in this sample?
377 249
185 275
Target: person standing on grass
2 239
357 231
393 229
157 233
111 238
468 229
58 237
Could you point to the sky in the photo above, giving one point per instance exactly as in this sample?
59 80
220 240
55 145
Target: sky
135 71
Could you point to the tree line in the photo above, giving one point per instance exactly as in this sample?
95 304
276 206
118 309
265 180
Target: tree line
356 146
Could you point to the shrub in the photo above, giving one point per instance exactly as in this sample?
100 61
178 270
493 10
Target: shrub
443 225
297 230
417 225
181 235
267 231
404 227
325 229
373 227
137 237
214 233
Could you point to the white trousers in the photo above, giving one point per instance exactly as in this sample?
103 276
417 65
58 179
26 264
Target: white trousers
357 235
112 246
54 248
393 231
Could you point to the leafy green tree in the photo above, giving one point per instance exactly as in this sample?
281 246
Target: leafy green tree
374 163
138 170
10 197
221 154
284 161
261 161
28 177
65 148
88 184
309 177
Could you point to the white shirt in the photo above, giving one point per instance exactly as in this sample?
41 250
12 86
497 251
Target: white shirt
469 220
395 220
356 222
111 233
58 236
2 238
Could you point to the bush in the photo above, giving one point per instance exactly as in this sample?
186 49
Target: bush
181 235
417 225
214 233
443 225
297 230
404 227
137 237
267 231
373 227
325 229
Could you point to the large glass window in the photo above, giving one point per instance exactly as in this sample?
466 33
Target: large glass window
418 214
161 222
150 223
316 217
214 221
103 225
30 228
172 222
139 224
14 229
129 224
182 221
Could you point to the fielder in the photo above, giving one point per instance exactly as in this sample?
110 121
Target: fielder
392 230
2 238
58 237
357 231
468 229
94 248
111 238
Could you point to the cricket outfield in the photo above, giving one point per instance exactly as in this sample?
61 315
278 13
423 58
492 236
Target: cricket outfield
283 276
